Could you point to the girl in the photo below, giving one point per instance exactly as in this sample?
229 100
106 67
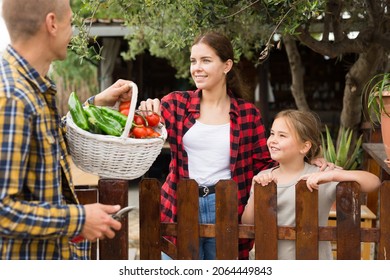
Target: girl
294 140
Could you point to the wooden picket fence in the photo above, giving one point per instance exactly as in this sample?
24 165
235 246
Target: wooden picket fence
348 233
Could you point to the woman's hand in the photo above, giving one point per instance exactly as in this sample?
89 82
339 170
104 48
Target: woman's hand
323 164
120 91
150 106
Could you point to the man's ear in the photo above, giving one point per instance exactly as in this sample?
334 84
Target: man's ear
51 23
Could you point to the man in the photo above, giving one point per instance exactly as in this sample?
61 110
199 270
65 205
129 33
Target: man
39 211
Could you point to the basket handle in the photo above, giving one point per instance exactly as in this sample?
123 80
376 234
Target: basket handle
133 104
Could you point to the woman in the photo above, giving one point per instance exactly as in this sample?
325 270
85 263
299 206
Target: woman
213 134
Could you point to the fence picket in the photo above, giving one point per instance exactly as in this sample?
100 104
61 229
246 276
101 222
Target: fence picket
348 221
348 233
266 227
384 224
226 226
187 220
306 208
149 220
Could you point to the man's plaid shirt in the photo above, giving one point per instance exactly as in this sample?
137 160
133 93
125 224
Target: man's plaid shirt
35 181
248 148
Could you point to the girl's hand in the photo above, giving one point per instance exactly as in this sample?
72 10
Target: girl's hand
313 180
263 179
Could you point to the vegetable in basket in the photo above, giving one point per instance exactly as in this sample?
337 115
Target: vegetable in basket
153 119
124 107
104 120
143 126
108 126
108 112
76 111
142 131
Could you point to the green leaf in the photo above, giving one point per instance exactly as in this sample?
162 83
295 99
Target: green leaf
345 142
345 156
353 160
330 149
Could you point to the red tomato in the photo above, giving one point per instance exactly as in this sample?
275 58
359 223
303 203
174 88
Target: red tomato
154 134
153 119
124 105
139 131
139 120
149 131
125 112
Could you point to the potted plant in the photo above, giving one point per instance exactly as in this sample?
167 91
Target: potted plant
346 154
376 102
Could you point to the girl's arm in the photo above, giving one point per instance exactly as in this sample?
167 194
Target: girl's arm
248 216
263 178
368 182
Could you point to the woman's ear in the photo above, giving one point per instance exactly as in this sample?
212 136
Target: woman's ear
228 66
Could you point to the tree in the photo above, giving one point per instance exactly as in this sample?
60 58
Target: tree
73 75
166 28
372 45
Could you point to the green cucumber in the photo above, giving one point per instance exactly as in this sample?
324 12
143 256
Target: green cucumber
110 120
76 111
96 117
122 119
93 128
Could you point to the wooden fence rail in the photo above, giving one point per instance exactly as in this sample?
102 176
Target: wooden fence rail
348 233
112 192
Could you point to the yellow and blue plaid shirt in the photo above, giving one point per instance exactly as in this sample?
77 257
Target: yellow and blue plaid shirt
39 211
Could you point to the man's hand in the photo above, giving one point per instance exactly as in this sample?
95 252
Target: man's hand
120 91
99 222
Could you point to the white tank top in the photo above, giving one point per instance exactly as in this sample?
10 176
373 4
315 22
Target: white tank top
208 150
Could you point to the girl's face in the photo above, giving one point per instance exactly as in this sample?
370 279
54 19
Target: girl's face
207 69
283 143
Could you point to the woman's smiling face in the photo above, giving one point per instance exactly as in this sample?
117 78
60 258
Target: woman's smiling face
207 69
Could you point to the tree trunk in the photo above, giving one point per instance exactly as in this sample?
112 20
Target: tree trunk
366 66
357 76
297 72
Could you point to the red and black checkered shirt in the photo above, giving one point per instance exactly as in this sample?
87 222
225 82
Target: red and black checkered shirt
248 148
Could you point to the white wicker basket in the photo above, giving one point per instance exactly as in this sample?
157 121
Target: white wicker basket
114 157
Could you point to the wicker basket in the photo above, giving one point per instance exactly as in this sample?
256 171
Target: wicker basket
114 157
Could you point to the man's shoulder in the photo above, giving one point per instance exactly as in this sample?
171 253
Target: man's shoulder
14 85
9 78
